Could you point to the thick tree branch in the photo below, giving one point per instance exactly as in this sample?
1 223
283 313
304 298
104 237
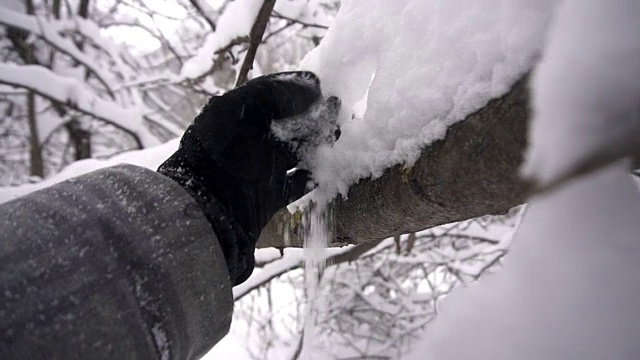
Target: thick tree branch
472 172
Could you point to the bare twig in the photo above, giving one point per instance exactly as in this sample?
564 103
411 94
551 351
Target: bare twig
202 11
275 32
305 24
354 253
257 31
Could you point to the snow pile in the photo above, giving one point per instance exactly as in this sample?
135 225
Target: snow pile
234 23
420 66
587 89
569 287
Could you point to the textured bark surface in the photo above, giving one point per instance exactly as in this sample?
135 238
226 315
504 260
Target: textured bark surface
472 172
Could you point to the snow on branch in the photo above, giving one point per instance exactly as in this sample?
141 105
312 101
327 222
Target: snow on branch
90 31
291 259
76 95
450 181
48 33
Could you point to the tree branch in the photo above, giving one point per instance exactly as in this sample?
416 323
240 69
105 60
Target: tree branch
257 31
472 172
353 253
35 26
292 261
300 22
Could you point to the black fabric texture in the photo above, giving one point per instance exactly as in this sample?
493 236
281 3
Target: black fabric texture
115 264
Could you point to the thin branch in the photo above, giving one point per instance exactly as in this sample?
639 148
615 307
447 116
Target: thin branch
257 31
275 32
143 8
200 7
283 265
354 253
279 268
305 24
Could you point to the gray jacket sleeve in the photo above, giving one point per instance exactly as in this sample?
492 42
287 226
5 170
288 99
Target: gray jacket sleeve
116 264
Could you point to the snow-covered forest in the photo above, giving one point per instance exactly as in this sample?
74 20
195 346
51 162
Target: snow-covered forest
467 126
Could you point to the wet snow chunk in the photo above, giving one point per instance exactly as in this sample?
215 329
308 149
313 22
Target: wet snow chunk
306 131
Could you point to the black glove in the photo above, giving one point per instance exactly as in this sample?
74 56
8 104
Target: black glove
231 162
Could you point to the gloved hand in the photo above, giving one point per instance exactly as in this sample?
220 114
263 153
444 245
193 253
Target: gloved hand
235 156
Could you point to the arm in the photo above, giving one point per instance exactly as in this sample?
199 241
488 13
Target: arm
117 264
128 263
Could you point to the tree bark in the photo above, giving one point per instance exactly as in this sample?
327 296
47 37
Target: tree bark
470 173
255 38
80 139
79 136
36 162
